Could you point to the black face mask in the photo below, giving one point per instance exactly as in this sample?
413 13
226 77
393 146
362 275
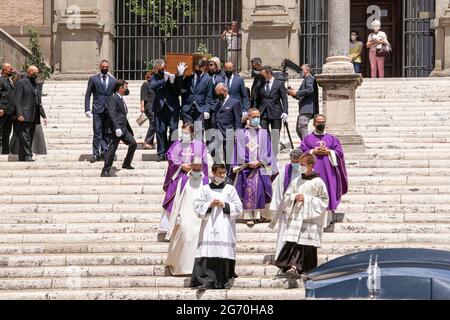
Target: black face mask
127 92
9 75
199 72
104 71
229 73
161 73
221 97
33 78
321 127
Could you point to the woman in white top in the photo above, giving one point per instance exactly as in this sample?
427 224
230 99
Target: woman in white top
375 42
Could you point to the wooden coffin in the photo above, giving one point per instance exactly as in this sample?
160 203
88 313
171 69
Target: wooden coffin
173 59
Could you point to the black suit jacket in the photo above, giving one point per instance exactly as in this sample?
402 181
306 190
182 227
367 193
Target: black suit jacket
166 93
28 101
228 116
272 105
6 95
257 85
117 115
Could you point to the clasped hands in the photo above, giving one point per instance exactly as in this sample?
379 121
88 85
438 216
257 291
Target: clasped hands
254 164
322 151
217 203
300 198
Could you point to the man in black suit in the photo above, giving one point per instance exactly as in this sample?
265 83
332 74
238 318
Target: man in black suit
272 101
227 120
308 96
6 106
258 81
196 95
101 86
119 128
29 111
166 106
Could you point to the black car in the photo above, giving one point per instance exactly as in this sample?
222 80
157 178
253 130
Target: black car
383 274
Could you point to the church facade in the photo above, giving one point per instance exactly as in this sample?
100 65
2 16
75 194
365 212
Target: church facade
77 34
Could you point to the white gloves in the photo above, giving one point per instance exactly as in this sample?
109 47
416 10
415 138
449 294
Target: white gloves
284 117
119 133
206 115
172 78
88 114
182 68
166 76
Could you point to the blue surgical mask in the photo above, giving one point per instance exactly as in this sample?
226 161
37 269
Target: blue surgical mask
196 174
255 122
296 166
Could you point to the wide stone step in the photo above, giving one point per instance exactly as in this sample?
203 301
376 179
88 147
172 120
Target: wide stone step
136 282
155 294
121 259
119 271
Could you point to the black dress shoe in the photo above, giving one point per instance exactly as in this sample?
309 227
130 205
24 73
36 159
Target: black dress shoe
30 160
161 158
105 174
94 159
128 167
204 287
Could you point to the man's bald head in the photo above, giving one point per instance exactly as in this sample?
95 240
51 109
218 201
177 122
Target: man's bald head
7 69
32 71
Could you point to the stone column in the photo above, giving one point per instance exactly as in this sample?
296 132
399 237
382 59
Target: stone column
339 81
269 24
442 36
83 34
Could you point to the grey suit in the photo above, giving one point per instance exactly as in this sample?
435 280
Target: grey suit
7 105
28 105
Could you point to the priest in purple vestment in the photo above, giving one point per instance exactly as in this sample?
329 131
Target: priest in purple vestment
180 156
253 166
330 164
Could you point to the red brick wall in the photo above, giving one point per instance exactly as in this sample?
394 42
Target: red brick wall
21 13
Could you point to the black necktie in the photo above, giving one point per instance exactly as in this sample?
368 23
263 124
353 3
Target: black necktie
229 83
104 82
197 82
268 87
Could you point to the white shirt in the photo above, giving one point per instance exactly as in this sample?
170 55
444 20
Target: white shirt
271 81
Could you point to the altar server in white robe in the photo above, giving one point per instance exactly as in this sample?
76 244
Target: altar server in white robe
305 204
218 206
281 184
184 223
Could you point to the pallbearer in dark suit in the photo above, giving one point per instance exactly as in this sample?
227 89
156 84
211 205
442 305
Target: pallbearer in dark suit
119 128
6 107
227 120
236 87
197 95
101 86
166 106
29 111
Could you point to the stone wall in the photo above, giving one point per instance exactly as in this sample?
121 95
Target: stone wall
12 51
15 13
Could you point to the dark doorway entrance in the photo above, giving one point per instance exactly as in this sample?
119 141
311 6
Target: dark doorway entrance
389 12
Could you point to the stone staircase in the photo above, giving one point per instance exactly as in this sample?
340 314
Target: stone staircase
65 233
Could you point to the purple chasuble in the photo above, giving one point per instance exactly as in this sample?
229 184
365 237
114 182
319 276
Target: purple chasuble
287 177
254 186
335 178
181 153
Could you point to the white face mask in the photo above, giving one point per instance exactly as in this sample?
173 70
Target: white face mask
303 169
186 137
218 180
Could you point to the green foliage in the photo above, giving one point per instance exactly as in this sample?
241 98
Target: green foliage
150 64
166 15
37 58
